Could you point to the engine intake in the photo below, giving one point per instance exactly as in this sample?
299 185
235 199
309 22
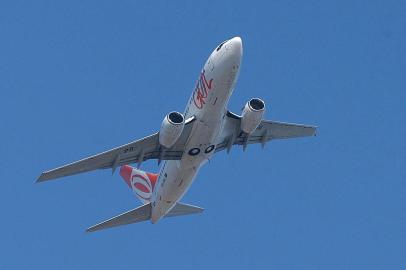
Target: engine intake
171 129
252 115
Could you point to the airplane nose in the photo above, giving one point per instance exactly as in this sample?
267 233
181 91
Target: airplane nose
234 46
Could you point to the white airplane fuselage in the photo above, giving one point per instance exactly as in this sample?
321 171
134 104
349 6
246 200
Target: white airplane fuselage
208 104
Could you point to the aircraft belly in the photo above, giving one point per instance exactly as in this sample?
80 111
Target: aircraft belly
177 176
208 105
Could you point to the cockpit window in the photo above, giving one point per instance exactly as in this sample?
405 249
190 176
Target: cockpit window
221 45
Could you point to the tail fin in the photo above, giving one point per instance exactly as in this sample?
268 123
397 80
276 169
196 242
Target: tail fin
142 183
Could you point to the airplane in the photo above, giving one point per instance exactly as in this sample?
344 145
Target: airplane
186 141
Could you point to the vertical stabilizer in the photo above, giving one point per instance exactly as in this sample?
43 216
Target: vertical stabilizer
142 183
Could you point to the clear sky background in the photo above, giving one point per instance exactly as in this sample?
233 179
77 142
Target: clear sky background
81 77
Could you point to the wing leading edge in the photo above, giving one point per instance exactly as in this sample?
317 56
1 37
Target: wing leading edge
134 152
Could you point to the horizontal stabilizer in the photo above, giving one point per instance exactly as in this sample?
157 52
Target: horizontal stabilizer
181 209
143 213
138 214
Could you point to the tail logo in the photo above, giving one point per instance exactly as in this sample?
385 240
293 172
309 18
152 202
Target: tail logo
142 185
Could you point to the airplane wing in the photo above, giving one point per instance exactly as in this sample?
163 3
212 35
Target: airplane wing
134 152
266 131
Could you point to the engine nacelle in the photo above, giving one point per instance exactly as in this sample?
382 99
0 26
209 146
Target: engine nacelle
171 129
252 115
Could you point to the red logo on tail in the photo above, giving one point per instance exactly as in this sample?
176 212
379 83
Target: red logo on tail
141 182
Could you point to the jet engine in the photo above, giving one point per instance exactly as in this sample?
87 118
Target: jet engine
252 115
171 129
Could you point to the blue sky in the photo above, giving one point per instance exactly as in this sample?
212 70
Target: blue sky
80 77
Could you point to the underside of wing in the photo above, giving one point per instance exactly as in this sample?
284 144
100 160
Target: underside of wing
267 130
115 157
134 152
281 130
